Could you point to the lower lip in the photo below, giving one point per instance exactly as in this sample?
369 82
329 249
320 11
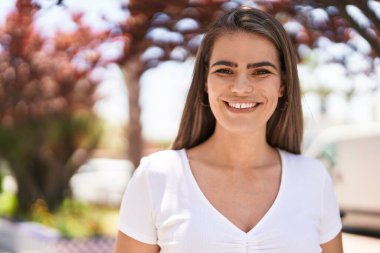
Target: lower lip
240 110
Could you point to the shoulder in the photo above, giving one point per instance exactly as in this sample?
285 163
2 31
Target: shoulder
162 173
304 166
161 162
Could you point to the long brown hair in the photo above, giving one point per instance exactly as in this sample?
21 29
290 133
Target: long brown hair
285 127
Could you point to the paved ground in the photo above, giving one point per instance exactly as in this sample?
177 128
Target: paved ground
360 244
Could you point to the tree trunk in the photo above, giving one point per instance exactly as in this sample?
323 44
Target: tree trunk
27 191
46 177
37 180
133 70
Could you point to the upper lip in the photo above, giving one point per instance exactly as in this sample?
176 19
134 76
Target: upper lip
241 101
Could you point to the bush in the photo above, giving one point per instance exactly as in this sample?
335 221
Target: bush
73 219
8 204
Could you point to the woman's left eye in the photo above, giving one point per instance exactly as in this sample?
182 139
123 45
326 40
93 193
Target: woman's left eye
261 72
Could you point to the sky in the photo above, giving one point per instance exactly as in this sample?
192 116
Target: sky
164 88
163 92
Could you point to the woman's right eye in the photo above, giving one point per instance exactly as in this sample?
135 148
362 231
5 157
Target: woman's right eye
223 71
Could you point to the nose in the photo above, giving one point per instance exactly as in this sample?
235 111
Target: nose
241 85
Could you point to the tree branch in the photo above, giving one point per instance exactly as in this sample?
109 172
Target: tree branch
363 6
341 6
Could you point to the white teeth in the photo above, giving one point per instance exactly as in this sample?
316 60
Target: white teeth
242 105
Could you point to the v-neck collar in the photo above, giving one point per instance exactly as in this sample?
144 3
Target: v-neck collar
204 199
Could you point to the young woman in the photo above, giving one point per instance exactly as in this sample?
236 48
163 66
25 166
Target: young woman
234 180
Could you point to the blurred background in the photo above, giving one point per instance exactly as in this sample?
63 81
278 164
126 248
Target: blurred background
89 87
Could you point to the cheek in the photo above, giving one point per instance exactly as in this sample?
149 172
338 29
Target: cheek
214 88
276 90
270 92
213 98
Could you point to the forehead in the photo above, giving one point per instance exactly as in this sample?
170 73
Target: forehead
244 47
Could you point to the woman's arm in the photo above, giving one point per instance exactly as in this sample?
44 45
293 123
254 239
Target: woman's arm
333 246
126 244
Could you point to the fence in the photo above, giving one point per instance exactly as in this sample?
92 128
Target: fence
92 245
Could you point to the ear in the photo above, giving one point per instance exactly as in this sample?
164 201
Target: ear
281 91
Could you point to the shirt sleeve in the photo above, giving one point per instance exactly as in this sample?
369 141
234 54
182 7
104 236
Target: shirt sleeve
136 212
331 223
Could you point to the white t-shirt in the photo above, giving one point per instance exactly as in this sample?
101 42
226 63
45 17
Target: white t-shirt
164 205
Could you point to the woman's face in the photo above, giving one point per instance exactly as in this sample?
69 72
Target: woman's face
243 82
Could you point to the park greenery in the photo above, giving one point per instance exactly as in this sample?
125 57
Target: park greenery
47 90
47 125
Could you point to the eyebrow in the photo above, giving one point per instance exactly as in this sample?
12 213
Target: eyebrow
261 64
249 65
225 63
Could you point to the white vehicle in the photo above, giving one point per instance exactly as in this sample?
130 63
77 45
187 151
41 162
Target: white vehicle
352 155
102 181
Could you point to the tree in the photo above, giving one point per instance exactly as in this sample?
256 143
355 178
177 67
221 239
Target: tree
339 21
47 127
346 31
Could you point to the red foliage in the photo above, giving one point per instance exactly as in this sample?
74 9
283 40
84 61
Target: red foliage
35 81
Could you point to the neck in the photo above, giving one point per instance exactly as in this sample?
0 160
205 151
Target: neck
237 150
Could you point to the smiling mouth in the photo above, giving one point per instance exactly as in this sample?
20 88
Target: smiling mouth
235 107
241 105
